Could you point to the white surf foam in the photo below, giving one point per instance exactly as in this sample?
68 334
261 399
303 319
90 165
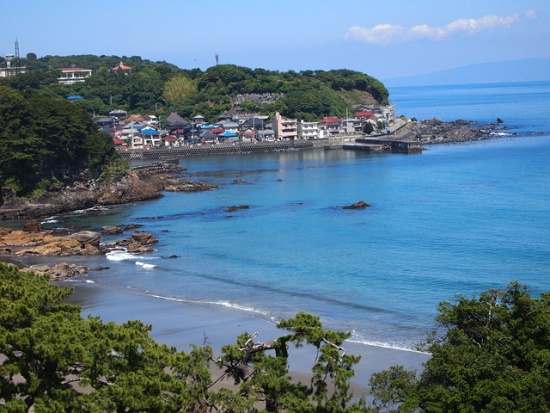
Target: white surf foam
120 255
144 265
357 339
50 220
220 303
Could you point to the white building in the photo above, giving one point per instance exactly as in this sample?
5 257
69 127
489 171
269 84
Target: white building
71 75
308 130
10 70
352 126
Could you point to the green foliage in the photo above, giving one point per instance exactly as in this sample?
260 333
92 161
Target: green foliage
177 89
493 357
48 347
264 375
56 361
49 139
393 390
310 95
368 128
114 170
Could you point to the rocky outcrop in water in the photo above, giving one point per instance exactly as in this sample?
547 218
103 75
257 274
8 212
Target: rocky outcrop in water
22 243
34 240
138 242
437 131
358 205
131 187
174 185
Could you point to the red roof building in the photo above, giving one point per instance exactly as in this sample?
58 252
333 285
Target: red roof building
330 120
363 114
122 67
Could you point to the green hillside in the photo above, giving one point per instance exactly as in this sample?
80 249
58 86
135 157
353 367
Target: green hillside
161 88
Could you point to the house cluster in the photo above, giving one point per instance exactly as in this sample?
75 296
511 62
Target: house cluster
146 132
68 76
71 75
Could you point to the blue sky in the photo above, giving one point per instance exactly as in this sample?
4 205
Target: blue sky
386 39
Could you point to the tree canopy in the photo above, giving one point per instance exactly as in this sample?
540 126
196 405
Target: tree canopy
45 139
57 361
162 87
494 356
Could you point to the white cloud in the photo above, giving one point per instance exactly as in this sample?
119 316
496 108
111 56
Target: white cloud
531 15
383 34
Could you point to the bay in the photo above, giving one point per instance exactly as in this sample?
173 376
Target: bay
456 219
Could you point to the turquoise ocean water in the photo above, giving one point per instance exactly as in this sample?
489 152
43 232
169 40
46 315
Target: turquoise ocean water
456 219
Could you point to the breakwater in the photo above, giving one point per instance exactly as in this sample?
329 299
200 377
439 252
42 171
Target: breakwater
211 150
395 145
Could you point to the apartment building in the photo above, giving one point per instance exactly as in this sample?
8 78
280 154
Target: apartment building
285 129
308 130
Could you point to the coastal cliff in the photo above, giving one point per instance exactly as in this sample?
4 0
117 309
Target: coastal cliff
131 187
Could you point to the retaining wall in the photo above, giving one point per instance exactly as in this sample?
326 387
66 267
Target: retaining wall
210 150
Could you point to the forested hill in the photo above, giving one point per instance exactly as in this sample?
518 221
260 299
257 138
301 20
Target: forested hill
161 88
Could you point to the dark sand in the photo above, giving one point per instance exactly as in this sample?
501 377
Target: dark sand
182 324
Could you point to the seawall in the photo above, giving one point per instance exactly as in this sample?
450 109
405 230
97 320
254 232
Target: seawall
210 150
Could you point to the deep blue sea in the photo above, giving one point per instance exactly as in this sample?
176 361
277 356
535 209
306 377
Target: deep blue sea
456 219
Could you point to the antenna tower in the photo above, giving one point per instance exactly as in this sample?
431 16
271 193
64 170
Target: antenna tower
217 58
17 58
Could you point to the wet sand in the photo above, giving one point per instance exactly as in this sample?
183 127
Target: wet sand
182 324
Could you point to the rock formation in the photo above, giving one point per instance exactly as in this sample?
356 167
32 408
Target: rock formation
174 185
437 131
358 205
131 187
57 272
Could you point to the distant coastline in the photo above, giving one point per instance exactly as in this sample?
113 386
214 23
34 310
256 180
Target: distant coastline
525 70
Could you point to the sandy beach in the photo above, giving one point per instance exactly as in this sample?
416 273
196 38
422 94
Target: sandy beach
182 324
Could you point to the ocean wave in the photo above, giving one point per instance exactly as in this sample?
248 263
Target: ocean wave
123 255
120 255
237 307
89 282
92 209
146 266
393 345
217 303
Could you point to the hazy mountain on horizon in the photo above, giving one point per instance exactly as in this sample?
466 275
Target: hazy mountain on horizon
525 70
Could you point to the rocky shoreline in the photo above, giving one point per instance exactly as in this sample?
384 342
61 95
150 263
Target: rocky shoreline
145 183
35 240
148 182
435 131
136 185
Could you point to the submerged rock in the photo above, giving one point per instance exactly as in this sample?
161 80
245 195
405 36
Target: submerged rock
358 205
235 208
185 186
